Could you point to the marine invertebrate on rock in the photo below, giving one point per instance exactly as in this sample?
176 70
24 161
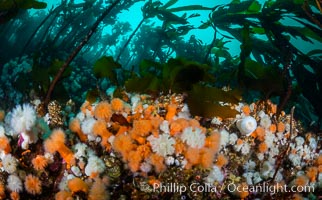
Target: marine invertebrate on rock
135 159
98 191
63 195
193 157
117 105
301 181
262 147
221 160
158 162
242 194
75 126
32 184
39 162
5 144
94 166
55 117
56 142
14 196
2 191
142 127
171 111
103 110
123 144
247 125
213 141
77 185
193 137
9 163
312 173
162 145
14 183
215 175
22 118
206 157
87 127
100 129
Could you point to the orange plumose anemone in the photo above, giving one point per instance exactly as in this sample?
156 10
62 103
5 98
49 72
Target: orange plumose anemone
171 111
280 127
123 144
178 125
77 185
39 162
56 139
117 105
135 159
301 181
100 129
103 110
246 110
260 133
145 150
158 162
239 141
63 195
98 191
2 191
213 141
149 111
87 106
242 192
272 128
206 157
312 173
221 160
14 196
32 184
297 196
180 147
56 143
142 127
193 157
74 126
5 145
262 147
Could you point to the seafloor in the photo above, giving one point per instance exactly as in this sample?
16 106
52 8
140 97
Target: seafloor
142 147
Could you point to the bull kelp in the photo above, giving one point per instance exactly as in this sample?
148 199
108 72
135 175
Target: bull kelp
95 105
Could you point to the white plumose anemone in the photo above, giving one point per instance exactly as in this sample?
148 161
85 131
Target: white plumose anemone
193 137
23 118
94 165
247 125
162 145
9 163
14 183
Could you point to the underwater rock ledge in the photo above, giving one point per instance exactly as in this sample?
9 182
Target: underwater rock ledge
153 148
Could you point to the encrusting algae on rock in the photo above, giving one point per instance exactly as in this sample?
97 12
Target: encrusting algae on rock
140 144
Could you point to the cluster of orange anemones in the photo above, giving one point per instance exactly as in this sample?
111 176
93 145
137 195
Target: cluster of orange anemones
32 184
56 143
134 147
39 162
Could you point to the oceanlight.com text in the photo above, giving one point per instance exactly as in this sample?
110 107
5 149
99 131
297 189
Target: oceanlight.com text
266 188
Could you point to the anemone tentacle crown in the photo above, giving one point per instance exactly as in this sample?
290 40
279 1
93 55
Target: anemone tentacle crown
247 125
